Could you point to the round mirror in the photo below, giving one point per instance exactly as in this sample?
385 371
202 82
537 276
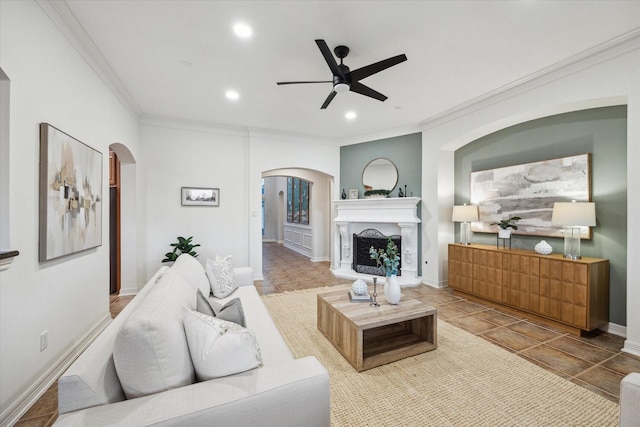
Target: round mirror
380 174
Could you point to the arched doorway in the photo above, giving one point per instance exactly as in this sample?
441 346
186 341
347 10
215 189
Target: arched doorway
320 208
123 217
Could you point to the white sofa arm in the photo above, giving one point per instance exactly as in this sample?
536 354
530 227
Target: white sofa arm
243 276
630 400
291 394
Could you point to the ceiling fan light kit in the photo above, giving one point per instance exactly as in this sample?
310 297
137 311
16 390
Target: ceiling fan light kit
345 80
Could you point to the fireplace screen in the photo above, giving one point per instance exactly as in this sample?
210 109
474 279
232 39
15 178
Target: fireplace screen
362 242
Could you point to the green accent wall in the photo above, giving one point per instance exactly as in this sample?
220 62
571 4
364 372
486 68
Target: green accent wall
404 151
601 132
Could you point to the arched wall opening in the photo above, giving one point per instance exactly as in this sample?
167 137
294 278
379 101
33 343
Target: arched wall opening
446 194
319 207
127 194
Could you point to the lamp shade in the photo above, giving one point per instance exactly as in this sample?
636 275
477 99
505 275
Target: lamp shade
574 214
466 213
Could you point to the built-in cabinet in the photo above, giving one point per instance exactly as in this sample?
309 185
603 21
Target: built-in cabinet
574 293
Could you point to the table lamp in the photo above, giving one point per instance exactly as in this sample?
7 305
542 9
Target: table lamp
465 214
573 215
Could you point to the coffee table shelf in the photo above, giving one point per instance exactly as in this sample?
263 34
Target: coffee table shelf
368 337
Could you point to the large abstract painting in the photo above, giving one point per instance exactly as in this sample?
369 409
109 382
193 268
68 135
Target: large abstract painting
70 194
529 191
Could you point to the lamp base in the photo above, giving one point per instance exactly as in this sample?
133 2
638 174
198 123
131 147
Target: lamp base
465 233
571 243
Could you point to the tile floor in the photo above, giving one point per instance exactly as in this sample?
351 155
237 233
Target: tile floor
594 362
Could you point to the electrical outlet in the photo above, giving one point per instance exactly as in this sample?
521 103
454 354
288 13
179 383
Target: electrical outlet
44 340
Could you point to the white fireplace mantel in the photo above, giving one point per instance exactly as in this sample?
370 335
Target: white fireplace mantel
387 215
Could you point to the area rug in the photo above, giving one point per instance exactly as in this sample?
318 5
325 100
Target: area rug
466 381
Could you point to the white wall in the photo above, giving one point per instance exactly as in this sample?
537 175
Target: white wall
272 208
600 78
69 297
175 156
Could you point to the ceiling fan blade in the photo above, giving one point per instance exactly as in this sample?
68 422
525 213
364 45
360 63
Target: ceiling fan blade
298 83
328 100
358 87
328 56
368 70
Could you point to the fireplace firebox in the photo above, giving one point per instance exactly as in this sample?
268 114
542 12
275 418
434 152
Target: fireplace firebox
363 241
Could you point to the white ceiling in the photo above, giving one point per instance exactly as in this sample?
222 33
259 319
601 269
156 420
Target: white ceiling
176 59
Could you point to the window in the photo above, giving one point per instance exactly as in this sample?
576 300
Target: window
298 193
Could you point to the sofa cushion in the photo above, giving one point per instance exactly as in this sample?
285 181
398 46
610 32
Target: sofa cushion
150 350
192 271
218 347
273 348
220 274
231 311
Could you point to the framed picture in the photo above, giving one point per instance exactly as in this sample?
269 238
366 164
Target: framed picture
70 195
200 196
353 194
529 191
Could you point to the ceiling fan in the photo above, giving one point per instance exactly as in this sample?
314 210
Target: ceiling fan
345 80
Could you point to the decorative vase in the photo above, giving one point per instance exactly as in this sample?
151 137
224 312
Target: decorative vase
543 248
392 289
344 194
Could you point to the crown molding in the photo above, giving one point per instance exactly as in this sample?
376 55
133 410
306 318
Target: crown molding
598 54
64 19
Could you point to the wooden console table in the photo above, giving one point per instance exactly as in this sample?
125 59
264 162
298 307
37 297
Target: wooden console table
573 294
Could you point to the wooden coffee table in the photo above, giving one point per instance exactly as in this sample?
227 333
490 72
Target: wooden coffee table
368 336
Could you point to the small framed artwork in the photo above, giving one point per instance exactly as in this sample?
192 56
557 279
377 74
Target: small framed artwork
200 196
353 194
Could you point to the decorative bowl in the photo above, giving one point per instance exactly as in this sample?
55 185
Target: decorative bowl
543 248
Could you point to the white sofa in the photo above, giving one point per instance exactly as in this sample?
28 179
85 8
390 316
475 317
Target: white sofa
283 392
630 400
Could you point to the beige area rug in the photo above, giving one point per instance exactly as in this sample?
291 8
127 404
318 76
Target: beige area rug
465 382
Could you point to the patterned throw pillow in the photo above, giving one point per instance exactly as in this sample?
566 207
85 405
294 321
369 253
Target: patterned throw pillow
220 274
219 348
231 311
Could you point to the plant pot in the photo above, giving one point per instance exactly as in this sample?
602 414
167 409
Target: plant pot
504 233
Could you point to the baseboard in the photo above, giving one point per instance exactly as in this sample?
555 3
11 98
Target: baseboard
615 329
31 395
442 284
320 259
631 348
127 291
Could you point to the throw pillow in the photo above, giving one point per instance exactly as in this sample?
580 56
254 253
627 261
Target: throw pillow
220 274
231 311
219 348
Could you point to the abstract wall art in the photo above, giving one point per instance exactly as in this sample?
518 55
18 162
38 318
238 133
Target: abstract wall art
529 191
70 195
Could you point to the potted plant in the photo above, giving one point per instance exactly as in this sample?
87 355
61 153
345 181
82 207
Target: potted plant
182 246
505 226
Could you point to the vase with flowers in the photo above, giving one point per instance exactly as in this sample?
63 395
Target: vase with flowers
388 260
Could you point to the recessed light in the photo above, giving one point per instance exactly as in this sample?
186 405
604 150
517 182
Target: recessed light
232 95
350 115
242 30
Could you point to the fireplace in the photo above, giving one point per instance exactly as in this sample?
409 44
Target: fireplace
362 243
393 216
